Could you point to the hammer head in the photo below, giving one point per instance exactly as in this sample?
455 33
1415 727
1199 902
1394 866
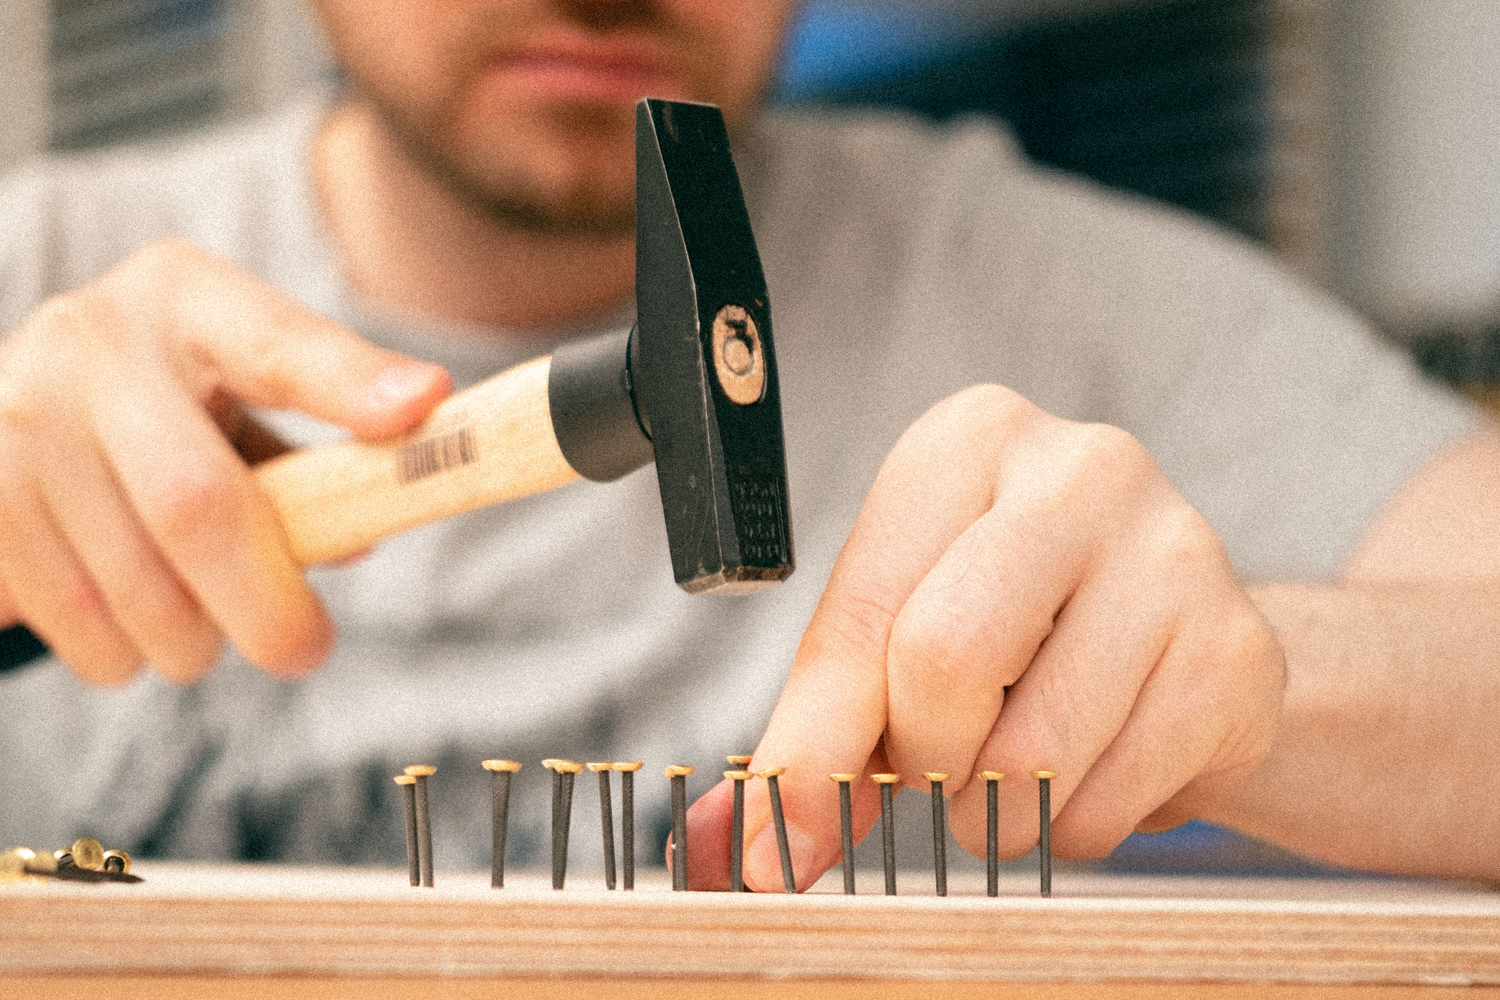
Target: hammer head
705 380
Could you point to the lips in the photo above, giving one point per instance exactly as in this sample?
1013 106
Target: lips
586 71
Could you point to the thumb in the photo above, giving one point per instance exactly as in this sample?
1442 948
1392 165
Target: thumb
811 816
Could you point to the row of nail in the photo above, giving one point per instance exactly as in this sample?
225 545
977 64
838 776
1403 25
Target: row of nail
419 827
85 861
935 780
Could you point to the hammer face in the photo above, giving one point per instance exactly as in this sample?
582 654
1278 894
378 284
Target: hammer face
708 367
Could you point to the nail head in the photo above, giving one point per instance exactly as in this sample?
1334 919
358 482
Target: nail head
88 854
501 765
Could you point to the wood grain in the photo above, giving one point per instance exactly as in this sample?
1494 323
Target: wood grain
487 444
185 987
339 923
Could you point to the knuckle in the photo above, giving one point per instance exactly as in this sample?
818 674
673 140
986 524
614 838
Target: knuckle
1183 540
194 502
160 261
862 622
1108 450
937 642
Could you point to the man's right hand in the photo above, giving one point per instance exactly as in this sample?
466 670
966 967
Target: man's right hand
131 531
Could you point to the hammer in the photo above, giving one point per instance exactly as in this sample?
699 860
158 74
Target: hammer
692 385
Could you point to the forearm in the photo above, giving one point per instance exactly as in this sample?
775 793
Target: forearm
1388 753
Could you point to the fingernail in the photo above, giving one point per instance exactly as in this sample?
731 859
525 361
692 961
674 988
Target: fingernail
399 384
764 858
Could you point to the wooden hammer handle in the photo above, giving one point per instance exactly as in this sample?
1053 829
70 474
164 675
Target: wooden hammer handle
489 443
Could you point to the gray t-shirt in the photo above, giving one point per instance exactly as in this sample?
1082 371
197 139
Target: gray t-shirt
905 262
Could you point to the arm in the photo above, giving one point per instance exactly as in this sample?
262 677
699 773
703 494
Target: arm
1389 747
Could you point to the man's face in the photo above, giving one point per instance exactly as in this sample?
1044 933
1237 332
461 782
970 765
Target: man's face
526 107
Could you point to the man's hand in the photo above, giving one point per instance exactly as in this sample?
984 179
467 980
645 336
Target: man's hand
130 529
1019 593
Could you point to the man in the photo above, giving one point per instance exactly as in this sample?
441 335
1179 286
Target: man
1018 591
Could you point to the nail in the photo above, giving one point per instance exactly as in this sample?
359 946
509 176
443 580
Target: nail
116 862
678 774
1044 839
606 820
409 796
627 769
992 829
737 830
500 772
424 820
887 828
562 814
398 384
939 831
846 827
778 818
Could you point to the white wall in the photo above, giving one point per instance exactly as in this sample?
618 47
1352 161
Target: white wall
23 79
278 53
1416 137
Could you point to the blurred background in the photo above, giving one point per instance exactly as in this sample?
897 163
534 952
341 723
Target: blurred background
1358 139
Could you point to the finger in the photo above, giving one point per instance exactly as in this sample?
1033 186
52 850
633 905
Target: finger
213 525
709 822
266 349
971 628
1180 746
832 710
143 593
1082 686
55 595
10 613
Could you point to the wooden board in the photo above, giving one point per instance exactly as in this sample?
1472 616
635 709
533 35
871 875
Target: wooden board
218 919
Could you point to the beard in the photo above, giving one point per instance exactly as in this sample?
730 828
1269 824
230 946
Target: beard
580 182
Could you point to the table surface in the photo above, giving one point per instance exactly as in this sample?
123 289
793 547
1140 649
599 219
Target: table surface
272 931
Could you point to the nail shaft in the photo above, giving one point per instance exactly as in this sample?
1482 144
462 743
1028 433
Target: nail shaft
500 821
939 835
627 771
1044 846
500 772
679 831
424 820
737 832
992 833
606 822
409 798
887 828
846 828
778 819
562 817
